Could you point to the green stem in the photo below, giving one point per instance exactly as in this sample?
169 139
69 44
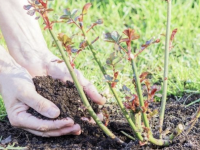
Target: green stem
164 95
125 113
129 136
159 142
82 94
136 118
139 91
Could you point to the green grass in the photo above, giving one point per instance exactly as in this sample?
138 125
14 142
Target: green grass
148 18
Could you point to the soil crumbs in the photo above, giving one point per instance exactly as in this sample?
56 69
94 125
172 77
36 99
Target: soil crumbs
66 97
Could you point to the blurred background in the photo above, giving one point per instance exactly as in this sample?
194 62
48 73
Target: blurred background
148 18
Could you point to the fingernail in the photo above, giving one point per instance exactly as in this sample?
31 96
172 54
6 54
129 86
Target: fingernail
54 112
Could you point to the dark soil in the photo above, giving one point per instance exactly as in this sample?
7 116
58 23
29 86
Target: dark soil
66 97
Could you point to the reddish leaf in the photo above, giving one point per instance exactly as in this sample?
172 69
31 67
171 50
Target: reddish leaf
116 75
147 83
172 38
152 93
113 84
85 8
131 34
144 75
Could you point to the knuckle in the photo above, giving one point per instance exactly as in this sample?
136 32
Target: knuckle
40 105
14 122
43 128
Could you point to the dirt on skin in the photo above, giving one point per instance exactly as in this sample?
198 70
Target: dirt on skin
66 97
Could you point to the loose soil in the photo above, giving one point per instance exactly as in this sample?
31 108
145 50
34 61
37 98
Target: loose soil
66 97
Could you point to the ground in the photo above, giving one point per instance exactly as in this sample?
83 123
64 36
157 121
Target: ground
92 136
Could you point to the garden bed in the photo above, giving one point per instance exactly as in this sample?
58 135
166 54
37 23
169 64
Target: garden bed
66 97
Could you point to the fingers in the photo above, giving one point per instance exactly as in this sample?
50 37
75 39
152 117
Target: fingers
100 116
39 103
60 71
90 89
26 120
74 130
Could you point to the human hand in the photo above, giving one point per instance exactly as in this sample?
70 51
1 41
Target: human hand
43 64
18 92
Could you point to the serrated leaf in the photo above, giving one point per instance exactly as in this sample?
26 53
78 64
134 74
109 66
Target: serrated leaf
85 8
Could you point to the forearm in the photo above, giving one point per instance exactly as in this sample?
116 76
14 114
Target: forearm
22 33
7 63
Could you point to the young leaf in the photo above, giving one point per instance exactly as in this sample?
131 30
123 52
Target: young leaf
117 60
36 18
67 12
65 17
49 9
125 88
108 38
172 38
85 8
108 61
27 7
74 11
130 33
99 21
108 77
73 50
83 44
31 12
115 36
119 66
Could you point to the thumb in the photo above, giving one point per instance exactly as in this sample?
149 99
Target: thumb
40 104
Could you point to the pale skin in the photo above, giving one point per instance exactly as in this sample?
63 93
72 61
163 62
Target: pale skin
28 57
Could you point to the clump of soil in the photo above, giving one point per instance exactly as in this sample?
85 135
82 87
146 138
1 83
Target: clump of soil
63 95
66 97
